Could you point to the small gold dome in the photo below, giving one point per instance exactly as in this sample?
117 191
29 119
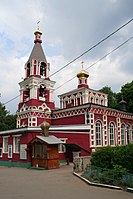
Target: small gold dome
83 74
38 31
45 127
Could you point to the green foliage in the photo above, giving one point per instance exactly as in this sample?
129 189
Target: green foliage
126 94
103 158
112 157
7 121
117 176
119 169
112 103
123 155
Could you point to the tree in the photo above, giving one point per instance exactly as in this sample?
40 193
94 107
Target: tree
7 120
112 102
127 94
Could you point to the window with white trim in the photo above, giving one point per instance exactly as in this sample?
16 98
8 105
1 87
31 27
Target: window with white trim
9 151
98 134
29 121
5 144
32 121
128 134
18 122
16 144
1 150
111 134
122 134
62 147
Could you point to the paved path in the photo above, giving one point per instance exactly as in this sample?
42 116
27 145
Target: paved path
18 183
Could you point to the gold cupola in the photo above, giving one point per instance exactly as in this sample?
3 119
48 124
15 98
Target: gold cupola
82 78
83 74
38 34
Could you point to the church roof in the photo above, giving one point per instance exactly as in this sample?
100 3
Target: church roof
37 53
50 139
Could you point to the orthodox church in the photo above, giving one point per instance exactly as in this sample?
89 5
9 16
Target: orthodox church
82 123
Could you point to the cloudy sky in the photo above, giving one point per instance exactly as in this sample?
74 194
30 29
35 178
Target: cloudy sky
69 28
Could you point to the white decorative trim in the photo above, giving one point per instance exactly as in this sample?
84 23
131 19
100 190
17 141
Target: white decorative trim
70 132
70 128
4 144
10 151
1 152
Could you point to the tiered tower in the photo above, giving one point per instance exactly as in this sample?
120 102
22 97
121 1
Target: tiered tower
36 90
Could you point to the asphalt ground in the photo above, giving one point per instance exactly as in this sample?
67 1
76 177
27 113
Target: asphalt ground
19 183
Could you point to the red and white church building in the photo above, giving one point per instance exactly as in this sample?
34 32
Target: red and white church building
83 122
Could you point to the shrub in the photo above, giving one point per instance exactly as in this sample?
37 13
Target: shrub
118 158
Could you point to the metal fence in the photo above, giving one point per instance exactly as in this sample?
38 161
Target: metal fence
108 176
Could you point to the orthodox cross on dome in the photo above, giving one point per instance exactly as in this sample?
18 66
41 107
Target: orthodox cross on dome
38 25
82 63
82 76
38 34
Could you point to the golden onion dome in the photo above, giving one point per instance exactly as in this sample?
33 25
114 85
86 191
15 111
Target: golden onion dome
83 74
38 31
45 127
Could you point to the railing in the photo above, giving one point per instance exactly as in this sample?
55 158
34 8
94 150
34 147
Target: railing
108 176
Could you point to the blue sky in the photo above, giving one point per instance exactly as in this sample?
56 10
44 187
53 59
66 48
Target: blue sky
69 28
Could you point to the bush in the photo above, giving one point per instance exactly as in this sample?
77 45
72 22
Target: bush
103 158
118 158
117 176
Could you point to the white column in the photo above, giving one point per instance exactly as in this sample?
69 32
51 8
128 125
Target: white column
86 97
21 95
33 92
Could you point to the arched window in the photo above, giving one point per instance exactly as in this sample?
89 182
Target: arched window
96 100
78 101
122 134
66 104
26 95
128 134
43 69
80 81
98 133
92 100
111 134
72 102
42 91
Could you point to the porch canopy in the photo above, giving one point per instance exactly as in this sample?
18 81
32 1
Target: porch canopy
75 147
48 140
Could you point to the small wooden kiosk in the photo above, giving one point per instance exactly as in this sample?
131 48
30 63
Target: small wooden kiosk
45 149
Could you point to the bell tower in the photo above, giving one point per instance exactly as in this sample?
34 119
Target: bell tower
36 90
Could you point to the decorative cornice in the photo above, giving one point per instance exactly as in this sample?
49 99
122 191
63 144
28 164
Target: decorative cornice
78 110
62 128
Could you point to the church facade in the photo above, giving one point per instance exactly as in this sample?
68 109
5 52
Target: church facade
82 123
